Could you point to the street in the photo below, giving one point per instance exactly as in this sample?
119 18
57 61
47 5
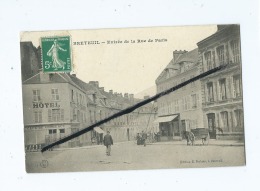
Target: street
129 156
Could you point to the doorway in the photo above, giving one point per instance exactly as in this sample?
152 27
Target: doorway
212 125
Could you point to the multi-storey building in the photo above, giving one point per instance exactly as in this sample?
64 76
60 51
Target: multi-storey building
30 60
222 92
58 104
182 109
54 107
123 128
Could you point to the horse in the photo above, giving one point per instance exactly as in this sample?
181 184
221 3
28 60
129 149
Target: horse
189 136
220 129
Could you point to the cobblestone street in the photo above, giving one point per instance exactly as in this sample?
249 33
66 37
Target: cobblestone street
129 156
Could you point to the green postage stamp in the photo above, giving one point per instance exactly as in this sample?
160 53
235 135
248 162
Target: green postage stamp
56 54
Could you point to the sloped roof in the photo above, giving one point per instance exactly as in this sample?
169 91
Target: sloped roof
55 78
191 56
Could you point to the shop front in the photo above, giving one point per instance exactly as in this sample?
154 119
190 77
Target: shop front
168 127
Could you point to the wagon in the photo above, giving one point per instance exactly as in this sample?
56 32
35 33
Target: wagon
201 133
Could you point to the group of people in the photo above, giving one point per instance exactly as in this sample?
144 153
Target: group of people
141 138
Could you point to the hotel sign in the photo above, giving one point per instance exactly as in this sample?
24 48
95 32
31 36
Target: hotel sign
46 105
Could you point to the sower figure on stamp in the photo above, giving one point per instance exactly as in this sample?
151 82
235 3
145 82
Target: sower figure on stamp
53 52
108 141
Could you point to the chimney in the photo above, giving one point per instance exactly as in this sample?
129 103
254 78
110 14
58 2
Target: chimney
74 75
94 83
102 89
115 93
126 95
45 77
111 91
220 27
177 54
131 97
121 95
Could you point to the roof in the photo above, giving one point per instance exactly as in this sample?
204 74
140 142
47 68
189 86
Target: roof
56 78
191 56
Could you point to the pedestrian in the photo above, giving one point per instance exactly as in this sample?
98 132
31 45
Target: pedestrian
144 137
139 139
108 141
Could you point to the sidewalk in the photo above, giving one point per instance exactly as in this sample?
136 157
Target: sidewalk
212 142
90 146
199 142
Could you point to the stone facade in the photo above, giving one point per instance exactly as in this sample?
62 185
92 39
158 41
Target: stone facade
30 60
52 110
184 103
59 104
222 92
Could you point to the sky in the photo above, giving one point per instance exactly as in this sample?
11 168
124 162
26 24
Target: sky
126 67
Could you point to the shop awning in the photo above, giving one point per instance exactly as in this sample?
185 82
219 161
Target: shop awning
99 130
165 118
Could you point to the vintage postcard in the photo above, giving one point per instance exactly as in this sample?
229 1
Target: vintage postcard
132 98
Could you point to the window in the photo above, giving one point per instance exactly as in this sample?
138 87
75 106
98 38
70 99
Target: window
194 100
95 119
192 84
239 118
78 116
90 115
208 60
182 67
210 92
36 95
185 104
55 115
38 117
80 99
55 94
62 133
221 57
237 86
183 80
222 89
235 51
72 96
52 131
74 117
176 105
224 117
62 130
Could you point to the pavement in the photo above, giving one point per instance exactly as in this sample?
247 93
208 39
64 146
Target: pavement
129 156
211 142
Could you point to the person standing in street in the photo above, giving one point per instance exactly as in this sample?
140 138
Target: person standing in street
108 141
144 137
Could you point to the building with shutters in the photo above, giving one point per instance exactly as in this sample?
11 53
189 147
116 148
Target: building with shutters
54 107
58 104
222 92
181 110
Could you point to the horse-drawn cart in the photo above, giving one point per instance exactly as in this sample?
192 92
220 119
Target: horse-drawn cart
201 133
